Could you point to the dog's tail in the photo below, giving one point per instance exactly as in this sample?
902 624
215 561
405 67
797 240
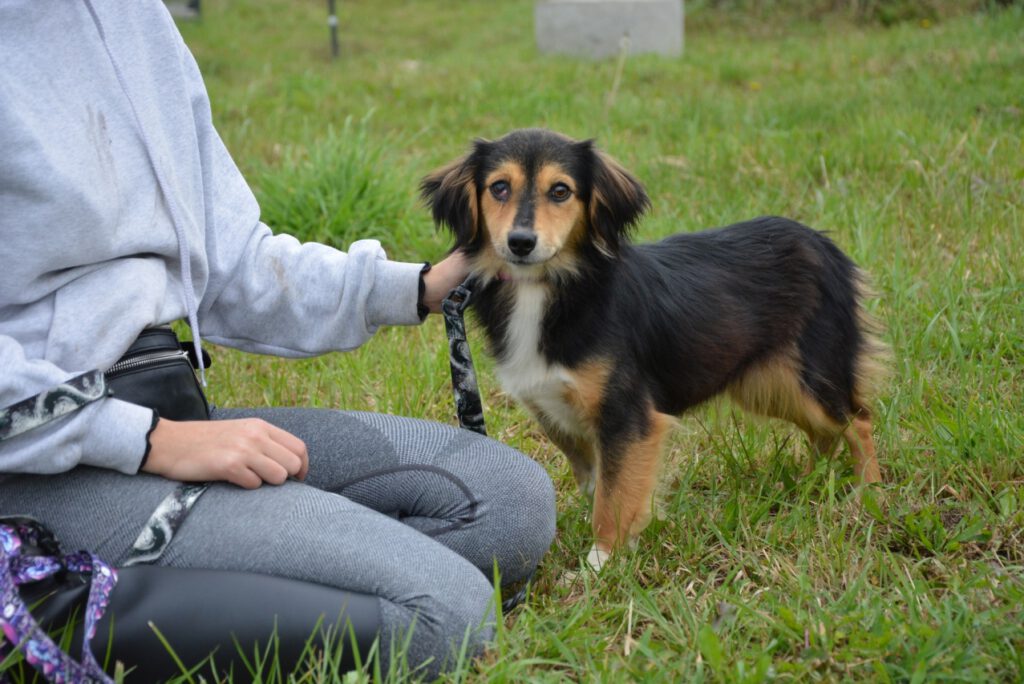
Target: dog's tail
872 361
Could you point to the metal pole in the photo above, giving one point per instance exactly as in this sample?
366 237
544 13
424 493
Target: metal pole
332 22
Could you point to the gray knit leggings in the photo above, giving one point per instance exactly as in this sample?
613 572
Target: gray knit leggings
412 512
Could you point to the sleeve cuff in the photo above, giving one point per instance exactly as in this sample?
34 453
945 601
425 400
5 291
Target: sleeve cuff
394 299
149 433
422 310
116 438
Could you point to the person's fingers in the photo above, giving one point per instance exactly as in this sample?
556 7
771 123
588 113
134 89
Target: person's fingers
268 470
289 460
442 278
246 452
231 466
247 479
286 439
295 446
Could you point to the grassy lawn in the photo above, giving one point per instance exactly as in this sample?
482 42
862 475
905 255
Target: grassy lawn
906 143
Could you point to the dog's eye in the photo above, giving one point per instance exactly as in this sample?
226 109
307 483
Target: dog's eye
560 192
500 190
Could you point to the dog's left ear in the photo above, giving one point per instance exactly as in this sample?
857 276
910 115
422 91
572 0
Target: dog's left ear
450 192
617 201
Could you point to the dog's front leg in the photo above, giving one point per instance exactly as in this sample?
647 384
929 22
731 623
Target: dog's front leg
577 449
580 453
629 463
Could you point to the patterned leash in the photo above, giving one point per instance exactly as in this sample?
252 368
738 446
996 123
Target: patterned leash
468 406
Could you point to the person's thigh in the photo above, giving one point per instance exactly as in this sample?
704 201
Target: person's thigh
294 531
483 499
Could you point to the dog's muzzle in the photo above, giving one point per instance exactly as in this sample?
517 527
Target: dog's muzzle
522 241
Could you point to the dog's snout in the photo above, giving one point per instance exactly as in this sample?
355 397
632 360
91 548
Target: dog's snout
522 241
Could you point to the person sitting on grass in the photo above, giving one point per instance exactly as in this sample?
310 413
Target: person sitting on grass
122 211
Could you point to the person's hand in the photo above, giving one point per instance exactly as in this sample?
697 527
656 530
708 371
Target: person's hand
442 278
246 452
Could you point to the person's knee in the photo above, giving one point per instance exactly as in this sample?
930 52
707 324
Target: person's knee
520 515
536 518
430 631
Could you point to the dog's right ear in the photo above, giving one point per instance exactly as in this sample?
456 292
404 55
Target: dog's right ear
450 192
618 200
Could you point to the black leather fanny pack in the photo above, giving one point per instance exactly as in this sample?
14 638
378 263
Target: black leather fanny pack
157 372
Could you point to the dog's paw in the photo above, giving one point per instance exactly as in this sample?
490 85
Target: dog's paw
597 558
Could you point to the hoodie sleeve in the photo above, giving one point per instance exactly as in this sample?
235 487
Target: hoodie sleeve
107 433
271 294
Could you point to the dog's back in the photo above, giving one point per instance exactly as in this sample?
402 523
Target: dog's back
712 305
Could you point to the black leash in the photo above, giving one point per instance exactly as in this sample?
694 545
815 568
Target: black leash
468 406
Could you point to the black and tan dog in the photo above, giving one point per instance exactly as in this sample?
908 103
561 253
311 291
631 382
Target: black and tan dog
605 341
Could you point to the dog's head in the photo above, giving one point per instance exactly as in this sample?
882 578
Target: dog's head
527 204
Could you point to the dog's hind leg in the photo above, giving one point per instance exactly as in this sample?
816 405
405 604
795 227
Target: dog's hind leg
857 435
627 476
862 448
823 445
774 388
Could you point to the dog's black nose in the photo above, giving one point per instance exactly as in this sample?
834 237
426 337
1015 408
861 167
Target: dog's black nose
522 242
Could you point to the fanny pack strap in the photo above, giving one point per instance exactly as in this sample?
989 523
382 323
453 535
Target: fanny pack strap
52 404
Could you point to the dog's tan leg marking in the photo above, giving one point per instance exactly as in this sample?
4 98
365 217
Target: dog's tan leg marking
622 505
585 389
773 389
862 448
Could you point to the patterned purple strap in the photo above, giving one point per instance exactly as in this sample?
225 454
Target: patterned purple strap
19 628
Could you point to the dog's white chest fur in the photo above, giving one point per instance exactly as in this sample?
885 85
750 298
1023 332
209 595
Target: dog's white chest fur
522 369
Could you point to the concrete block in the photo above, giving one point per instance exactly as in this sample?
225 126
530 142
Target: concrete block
596 28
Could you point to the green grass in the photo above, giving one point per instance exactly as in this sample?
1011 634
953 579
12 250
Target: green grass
906 143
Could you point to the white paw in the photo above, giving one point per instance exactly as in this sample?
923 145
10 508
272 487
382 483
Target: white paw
597 557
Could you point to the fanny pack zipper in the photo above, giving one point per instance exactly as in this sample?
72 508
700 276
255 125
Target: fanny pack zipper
146 359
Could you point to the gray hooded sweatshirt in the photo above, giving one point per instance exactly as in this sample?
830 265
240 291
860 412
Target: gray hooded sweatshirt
120 209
